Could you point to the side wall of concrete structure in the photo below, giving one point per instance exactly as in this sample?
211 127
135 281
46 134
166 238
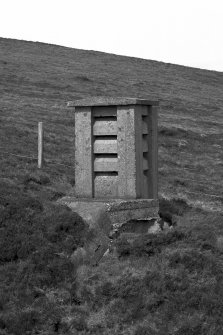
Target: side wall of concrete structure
152 176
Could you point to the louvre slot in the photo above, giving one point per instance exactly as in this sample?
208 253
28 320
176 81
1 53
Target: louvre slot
146 125
107 156
104 111
145 112
107 118
107 173
145 184
145 146
145 164
145 161
145 128
105 138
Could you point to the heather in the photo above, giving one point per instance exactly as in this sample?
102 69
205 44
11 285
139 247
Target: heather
166 283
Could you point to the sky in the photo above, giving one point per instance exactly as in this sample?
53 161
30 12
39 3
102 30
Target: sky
186 32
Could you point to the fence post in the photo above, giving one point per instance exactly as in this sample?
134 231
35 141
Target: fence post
40 145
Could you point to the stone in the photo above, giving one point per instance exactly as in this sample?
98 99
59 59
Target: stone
155 228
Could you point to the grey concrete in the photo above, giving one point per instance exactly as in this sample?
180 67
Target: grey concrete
115 148
115 168
112 213
105 218
110 101
127 163
83 153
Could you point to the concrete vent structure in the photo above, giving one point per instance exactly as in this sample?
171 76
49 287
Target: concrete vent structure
115 148
115 162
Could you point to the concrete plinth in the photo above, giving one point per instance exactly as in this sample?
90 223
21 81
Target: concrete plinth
110 214
106 218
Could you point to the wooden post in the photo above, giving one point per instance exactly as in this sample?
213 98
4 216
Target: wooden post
40 145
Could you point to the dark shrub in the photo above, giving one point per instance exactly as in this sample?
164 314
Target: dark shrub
38 178
65 228
192 260
147 330
192 326
168 208
20 322
36 242
17 205
104 293
25 227
148 244
203 238
128 288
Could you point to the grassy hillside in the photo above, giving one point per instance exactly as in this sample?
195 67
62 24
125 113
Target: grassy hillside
166 283
37 80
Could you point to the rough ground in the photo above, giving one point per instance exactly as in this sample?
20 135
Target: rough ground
169 283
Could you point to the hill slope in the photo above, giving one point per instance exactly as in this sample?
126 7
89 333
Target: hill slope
165 283
36 81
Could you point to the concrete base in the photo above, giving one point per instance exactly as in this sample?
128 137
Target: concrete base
112 213
105 218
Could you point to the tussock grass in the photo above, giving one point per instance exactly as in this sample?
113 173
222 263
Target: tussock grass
38 79
170 283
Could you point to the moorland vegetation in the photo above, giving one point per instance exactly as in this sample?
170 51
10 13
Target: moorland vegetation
167 283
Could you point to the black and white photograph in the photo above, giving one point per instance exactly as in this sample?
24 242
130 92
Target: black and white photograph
111 167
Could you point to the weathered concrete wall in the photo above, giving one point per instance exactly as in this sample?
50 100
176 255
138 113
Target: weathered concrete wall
115 148
115 170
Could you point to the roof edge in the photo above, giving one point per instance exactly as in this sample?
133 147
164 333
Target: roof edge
110 101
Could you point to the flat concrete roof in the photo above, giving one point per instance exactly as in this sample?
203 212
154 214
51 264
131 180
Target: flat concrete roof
110 101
